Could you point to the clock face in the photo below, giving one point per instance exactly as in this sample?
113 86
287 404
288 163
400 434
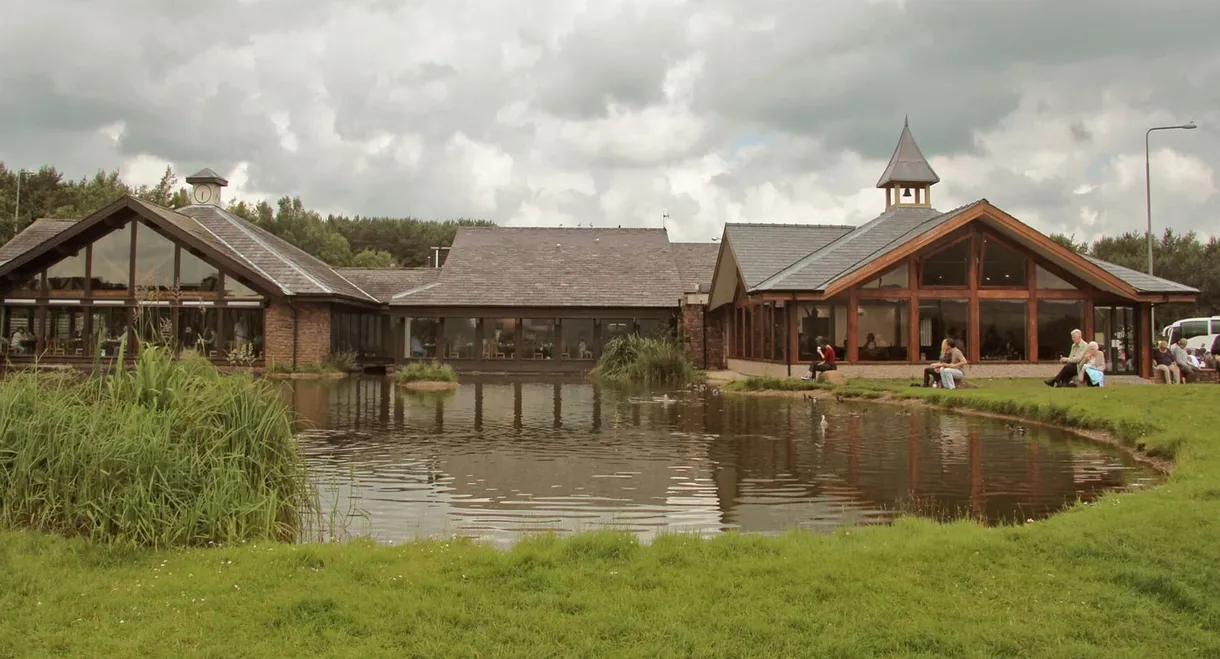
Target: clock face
203 194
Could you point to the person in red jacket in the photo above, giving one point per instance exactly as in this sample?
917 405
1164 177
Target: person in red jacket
825 360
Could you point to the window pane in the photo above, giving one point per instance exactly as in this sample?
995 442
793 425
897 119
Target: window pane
1192 328
654 328
109 330
1047 280
614 328
19 337
1056 320
577 338
234 288
766 312
539 337
420 339
67 278
1002 327
940 320
154 259
241 333
779 332
65 331
825 320
31 286
1002 266
195 274
461 338
883 330
949 267
112 261
501 337
197 329
154 325
896 278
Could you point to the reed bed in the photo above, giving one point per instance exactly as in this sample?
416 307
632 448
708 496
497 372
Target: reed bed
168 453
425 372
644 360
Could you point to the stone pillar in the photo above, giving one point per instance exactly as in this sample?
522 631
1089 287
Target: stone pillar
312 335
692 318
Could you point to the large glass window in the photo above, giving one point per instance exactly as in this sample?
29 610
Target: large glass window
197 329
111 267
1003 267
67 278
31 286
154 325
614 328
940 320
828 321
1002 330
234 288
19 337
110 329
1047 280
1056 320
501 337
420 338
779 333
154 259
195 274
357 333
242 334
539 338
65 331
1114 331
767 313
883 330
462 338
577 338
655 328
948 267
897 278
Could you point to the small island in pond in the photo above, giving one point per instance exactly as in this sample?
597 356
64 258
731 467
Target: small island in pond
426 376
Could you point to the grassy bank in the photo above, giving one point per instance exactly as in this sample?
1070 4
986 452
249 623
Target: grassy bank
169 453
425 372
634 359
1132 575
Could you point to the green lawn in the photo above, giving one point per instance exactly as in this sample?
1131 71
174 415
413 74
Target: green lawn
1134 575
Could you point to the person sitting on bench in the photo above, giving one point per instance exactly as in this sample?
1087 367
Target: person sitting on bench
1162 362
1071 363
825 360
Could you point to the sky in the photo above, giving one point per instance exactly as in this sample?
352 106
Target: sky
625 112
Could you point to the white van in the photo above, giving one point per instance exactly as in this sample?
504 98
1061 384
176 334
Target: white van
1189 328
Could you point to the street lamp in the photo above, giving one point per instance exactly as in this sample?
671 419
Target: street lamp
1148 198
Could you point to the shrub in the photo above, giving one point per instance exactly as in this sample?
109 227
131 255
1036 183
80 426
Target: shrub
425 372
644 360
169 453
756 383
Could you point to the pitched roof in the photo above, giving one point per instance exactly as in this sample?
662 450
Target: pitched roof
907 165
554 267
206 175
32 236
857 248
764 249
385 283
696 264
293 270
1141 281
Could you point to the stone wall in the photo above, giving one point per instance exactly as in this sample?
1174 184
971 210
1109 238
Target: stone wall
702 335
312 335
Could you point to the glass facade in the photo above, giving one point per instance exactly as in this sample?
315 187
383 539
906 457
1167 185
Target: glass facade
1056 320
111 268
359 334
538 338
1003 267
883 330
197 275
577 337
948 267
67 278
896 278
461 337
1002 330
826 320
154 260
940 320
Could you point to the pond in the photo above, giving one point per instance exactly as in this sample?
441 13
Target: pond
498 458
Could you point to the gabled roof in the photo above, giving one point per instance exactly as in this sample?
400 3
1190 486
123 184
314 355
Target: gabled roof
907 165
696 264
554 267
385 283
32 236
1141 281
857 248
762 250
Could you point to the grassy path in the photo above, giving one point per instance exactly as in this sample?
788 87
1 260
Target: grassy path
1134 575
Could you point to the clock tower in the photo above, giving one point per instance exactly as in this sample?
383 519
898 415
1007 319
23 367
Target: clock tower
205 187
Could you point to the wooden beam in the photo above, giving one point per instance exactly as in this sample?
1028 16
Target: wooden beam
1143 329
853 325
973 329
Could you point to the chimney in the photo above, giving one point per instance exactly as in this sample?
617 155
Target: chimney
438 256
205 187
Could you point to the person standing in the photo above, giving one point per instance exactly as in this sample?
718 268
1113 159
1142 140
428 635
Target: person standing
1071 363
825 360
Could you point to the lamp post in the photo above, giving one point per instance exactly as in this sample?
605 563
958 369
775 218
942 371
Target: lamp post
1148 200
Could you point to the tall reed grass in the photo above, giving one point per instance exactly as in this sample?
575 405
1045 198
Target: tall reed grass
644 360
167 453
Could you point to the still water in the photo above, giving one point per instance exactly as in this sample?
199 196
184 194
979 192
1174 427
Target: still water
498 458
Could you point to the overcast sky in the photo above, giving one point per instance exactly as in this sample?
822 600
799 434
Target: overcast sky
546 112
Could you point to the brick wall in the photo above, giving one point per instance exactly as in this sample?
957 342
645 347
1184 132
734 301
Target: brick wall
313 333
694 319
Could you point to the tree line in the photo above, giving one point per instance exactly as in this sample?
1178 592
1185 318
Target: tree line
1182 257
366 242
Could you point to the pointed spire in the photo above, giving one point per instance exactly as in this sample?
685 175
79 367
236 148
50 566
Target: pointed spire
907 165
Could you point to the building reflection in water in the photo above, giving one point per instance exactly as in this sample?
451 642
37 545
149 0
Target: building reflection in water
499 458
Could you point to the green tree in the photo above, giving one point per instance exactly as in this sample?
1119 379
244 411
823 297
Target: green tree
373 258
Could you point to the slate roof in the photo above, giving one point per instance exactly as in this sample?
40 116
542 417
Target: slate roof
1142 281
294 271
385 283
764 249
696 264
554 267
206 175
907 165
32 236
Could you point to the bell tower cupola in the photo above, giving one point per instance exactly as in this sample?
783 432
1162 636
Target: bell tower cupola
205 187
908 179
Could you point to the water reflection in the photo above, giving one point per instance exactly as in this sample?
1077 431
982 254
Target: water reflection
499 458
